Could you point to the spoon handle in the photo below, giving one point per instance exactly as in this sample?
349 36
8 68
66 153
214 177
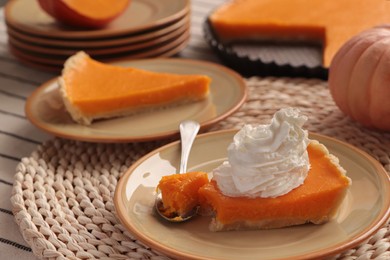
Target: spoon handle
188 131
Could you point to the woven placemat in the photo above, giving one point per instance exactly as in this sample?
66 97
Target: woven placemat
62 194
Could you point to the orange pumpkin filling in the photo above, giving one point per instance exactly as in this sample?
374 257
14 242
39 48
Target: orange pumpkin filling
92 89
97 9
329 22
85 13
314 201
180 192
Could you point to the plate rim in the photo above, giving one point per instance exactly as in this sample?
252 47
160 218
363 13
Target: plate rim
57 69
96 34
353 241
45 50
167 134
48 55
58 60
101 43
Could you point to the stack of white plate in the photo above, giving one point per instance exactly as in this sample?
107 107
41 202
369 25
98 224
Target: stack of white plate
147 29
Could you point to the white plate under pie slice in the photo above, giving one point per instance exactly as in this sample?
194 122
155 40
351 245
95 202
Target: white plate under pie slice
364 210
45 109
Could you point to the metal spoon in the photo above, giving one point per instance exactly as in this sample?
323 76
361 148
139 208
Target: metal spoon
188 131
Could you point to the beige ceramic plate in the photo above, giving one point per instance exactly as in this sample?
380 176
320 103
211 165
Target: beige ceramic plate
157 53
58 60
57 69
47 50
141 15
100 43
364 210
44 108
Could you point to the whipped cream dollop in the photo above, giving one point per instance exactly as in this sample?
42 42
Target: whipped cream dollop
266 160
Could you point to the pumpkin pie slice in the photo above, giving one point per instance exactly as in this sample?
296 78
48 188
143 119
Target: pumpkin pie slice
180 192
94 90
315 201
331 23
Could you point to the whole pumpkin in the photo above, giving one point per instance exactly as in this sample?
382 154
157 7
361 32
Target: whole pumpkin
359 78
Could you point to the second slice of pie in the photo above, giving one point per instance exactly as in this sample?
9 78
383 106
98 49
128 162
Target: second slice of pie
94 90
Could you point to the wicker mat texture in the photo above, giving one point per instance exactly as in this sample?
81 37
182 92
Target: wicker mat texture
62 194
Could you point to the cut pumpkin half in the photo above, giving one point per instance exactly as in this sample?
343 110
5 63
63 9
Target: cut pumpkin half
84 13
